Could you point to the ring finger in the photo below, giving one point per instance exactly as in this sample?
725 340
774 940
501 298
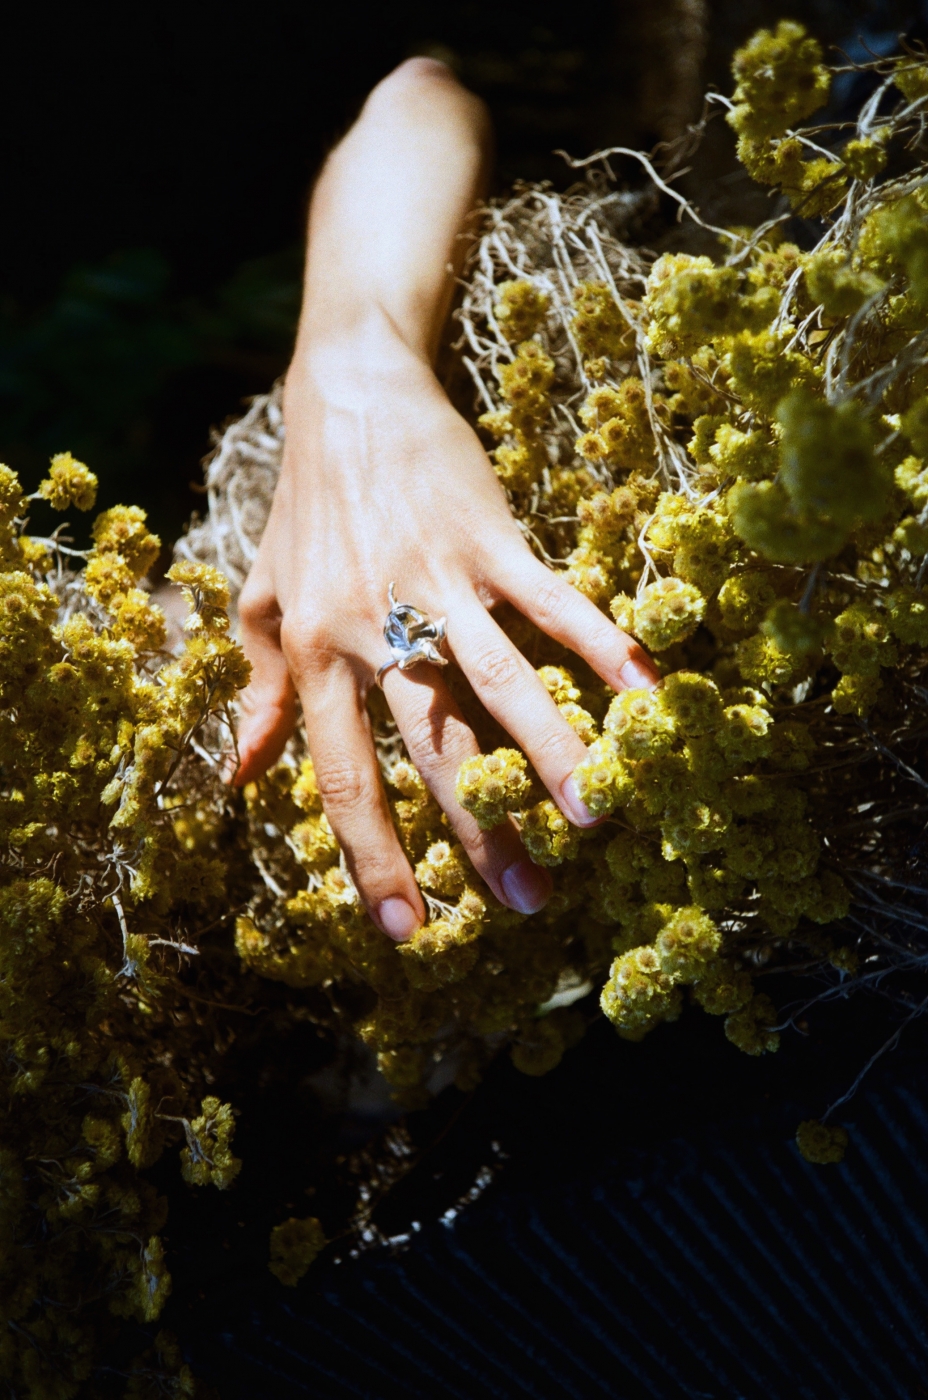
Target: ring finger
438 740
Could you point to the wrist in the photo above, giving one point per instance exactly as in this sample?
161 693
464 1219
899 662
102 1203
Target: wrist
369 322
360 350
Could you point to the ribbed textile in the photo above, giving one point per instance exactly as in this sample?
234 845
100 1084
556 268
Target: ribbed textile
720 1266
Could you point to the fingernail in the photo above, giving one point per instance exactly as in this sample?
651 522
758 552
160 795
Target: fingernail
397 918
634 676
526 887
575 807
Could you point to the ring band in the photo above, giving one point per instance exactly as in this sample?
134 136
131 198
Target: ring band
382 671
411 636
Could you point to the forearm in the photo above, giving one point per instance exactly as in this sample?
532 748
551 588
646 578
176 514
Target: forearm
388 209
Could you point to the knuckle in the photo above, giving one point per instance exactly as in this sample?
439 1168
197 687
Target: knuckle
257 608
344 787
494 669
482 847
422 735
377 870
249 604
552 748
551 602
306 642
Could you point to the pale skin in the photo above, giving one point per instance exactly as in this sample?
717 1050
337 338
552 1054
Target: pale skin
383 480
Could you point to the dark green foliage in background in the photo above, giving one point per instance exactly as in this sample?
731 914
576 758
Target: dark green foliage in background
128 373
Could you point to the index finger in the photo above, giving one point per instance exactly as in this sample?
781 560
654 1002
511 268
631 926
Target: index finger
571 619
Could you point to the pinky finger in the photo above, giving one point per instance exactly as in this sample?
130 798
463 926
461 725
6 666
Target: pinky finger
269 703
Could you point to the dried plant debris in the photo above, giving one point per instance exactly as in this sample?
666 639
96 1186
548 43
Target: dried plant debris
115 871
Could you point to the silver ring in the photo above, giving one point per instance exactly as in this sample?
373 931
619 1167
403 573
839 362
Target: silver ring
411 637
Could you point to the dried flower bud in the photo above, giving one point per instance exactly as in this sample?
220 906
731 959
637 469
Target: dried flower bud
69 483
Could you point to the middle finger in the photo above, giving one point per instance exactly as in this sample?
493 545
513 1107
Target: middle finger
438 740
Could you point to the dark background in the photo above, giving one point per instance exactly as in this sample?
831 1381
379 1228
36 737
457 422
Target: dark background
647 1228
155 162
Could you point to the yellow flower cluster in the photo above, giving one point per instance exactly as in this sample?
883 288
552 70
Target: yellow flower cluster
69 483
604 554
619 426
781 81
294 1246
668 611
491 785
524 386
520 310
821 1143
643 985
103 786
602 327
691 302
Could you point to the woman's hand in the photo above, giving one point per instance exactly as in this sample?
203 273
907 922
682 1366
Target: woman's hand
384 481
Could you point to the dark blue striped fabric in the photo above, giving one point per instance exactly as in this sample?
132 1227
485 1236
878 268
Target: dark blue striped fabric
723 1266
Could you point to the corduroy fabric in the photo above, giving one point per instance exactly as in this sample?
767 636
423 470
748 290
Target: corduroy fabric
725 1267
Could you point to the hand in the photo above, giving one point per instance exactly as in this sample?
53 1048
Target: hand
383 480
